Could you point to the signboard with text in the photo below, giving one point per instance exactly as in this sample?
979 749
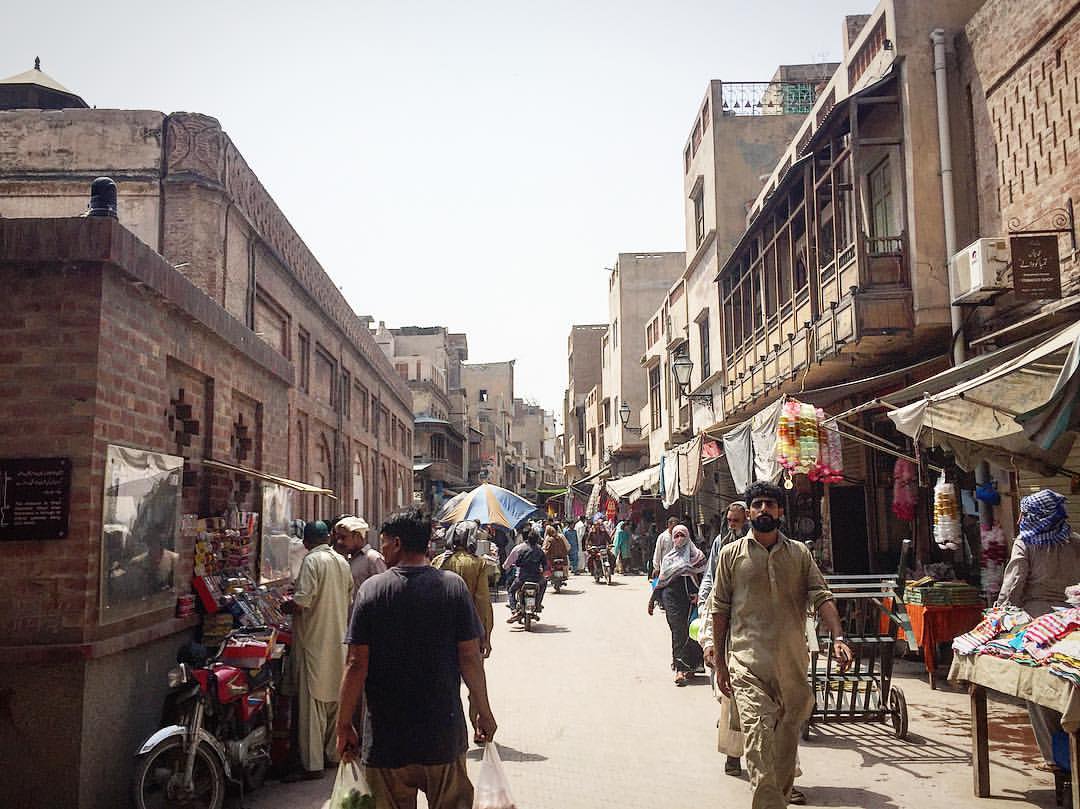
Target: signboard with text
35 498
1036 266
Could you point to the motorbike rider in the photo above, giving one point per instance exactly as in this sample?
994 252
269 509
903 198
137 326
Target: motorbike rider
555 546
598 541
531 564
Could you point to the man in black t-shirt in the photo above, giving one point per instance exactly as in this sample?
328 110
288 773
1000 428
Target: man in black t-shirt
414 636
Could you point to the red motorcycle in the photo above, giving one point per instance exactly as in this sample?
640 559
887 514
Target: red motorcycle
217 723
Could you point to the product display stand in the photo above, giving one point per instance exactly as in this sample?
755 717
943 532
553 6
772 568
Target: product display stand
986 673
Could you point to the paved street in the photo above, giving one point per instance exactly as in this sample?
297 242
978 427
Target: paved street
624 736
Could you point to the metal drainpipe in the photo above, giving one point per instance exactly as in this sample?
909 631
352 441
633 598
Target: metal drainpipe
948 203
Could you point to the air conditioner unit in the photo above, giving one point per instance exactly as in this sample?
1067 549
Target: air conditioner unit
977 273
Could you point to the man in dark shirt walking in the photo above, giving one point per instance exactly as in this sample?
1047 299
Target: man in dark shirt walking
413 638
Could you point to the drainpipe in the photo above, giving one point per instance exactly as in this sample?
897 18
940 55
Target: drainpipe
948 203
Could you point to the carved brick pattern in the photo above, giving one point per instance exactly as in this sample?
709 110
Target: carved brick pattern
1035 121
195 147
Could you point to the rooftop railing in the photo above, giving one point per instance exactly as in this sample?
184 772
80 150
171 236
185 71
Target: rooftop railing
768 98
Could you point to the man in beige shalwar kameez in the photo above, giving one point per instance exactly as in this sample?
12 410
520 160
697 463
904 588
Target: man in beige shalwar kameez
764 583
320 617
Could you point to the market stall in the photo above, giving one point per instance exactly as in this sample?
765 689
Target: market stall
1002 655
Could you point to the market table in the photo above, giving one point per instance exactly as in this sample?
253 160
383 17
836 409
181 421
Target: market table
932 624
1031 683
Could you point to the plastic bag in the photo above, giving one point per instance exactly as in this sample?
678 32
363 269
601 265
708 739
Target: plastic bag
351 790
730 742
492 790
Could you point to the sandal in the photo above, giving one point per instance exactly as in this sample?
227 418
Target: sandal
1045 766
680 678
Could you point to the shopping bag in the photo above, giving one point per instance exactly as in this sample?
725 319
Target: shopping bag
729 741
351 790
492 790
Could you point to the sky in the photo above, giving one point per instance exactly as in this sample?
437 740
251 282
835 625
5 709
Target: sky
474 164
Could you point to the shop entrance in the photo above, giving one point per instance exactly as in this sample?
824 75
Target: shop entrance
847 511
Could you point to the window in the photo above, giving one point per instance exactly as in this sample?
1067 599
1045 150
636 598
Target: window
438 447
346 395
699 215
271 322
703 336
654 397
483 395
881 212
615 333
374 416
402 369
362 397
303 341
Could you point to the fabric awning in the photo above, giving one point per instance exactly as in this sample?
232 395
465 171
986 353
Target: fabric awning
420 467
626 486
1019 409
307 488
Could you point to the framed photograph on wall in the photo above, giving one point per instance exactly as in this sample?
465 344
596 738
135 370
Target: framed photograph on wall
140 527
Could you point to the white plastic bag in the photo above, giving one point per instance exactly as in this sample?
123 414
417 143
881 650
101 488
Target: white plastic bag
729 742
492 790
351 790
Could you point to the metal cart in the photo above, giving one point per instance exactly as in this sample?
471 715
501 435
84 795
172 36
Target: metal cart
864 693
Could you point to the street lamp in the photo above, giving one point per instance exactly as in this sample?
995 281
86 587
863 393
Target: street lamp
681 368
624 417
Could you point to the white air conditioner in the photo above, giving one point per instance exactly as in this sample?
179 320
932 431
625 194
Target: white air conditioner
977 273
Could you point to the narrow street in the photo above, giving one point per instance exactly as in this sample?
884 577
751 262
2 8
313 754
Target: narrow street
624 736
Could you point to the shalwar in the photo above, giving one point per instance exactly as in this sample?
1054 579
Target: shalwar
765 593
323 590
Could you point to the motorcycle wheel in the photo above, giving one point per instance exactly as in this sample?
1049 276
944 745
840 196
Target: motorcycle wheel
157 778
607 573
557 586
596 574
528 620
256 770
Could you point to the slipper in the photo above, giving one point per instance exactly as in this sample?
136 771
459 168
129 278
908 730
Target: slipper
1045 766
796 798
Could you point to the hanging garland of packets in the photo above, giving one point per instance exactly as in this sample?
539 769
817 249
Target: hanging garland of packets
946 515
806 446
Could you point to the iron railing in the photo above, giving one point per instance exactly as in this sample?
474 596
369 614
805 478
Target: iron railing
768 98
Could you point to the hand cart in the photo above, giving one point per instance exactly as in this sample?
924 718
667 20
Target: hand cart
863 693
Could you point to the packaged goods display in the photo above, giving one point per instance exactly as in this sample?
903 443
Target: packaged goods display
946 515
806 446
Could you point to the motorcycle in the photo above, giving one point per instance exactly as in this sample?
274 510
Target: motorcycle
601 562
560 573
217 722
530 597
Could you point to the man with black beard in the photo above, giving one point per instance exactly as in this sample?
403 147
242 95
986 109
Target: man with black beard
763 584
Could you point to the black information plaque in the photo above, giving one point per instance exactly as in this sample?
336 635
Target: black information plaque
35 498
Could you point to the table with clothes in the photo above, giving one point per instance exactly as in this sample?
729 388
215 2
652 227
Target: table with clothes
1037 660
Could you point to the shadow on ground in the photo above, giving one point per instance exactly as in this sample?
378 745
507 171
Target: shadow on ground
848 796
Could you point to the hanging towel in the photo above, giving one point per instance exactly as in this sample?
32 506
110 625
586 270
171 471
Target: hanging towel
670 478
764 428
739 452
690 467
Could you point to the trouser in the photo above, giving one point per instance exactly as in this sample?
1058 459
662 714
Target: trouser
446 786
574 558
317 730
771 738
1045 723
516 586
686 654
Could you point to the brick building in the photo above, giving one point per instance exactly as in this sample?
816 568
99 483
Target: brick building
197 328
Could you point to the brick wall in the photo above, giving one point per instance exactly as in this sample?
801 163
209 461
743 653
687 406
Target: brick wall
100 352
1020 63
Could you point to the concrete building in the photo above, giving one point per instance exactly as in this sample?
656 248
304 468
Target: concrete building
200 327
583 359
529 438
429 359
489 390
636 286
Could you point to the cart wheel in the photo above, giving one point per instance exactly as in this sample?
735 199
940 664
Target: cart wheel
898 711
806 731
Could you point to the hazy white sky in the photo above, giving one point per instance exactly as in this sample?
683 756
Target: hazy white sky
474 163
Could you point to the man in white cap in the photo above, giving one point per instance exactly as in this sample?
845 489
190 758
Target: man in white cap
351 541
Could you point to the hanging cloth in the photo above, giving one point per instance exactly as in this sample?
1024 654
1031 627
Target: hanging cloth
739 451
763 430
669 478
690 467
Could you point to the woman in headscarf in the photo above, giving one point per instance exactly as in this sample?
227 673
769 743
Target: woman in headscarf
460 557
621 547
677 588
1045 560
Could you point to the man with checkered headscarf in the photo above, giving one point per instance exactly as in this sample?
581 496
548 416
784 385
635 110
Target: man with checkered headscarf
1045 560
